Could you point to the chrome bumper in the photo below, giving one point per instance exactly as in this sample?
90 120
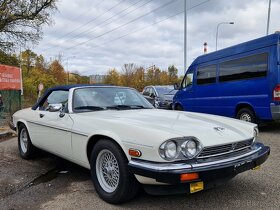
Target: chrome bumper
275 111
170 172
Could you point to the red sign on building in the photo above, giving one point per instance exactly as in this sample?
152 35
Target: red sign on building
10 78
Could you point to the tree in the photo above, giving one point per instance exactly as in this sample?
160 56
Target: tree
173 74
8 59
57 70
113 77
22 20
127 75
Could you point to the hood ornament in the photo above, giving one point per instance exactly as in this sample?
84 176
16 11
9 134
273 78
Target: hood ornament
219 128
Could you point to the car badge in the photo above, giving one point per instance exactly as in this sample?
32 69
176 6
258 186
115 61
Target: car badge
219 128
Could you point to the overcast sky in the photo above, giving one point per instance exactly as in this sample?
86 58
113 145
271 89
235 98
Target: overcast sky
97 35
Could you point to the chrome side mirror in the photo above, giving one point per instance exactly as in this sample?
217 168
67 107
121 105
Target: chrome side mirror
54 107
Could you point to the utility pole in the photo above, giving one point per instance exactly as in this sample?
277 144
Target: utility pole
268 17
185 36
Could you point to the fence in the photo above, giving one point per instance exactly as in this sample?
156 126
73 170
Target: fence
10 102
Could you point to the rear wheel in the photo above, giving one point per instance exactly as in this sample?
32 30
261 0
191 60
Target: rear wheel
25 146
246 114
111 178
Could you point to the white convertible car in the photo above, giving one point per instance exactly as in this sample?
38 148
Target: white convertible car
125 142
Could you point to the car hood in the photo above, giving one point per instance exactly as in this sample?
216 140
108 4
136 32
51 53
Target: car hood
209 129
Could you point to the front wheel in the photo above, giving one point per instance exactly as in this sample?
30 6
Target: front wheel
111 178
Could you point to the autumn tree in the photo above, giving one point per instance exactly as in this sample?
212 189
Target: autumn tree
22 20
8 59
127 74
138 79
57 70
173 74
28 60
112 77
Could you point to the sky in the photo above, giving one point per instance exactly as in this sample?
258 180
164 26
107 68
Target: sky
93 36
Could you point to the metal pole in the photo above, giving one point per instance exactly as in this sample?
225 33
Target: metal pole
268 17
217 31
185 36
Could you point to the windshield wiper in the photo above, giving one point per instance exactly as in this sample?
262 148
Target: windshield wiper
120 107
93 108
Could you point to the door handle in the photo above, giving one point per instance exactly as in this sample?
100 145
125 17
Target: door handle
42 115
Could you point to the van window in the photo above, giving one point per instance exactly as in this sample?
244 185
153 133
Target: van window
244 68
206 75
188 80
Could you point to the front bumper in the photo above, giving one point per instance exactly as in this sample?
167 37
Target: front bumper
275 111
170 173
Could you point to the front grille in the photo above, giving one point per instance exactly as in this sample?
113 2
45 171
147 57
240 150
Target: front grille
225 149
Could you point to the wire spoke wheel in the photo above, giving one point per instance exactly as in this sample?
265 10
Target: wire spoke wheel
107 171
23 140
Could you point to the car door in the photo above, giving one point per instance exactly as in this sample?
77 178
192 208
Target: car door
186 95
52 130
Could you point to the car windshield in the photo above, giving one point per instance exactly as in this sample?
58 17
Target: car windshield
164 90
104 98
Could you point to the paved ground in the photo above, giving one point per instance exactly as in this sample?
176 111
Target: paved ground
49 182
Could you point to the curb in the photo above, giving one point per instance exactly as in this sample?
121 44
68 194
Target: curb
4 134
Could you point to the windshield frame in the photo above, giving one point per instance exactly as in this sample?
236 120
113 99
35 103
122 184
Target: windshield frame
72 93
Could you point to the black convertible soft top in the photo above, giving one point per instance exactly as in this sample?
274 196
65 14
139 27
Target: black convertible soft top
65 88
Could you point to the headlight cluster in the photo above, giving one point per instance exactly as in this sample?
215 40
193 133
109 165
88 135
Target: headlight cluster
180 149
256 133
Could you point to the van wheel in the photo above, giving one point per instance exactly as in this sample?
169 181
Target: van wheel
178 107
111 178
246 114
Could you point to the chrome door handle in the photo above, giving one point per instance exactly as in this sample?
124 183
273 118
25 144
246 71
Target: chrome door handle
42 115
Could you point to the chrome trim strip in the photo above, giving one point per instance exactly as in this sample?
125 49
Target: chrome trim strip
142 145
49 126
59 128
79 133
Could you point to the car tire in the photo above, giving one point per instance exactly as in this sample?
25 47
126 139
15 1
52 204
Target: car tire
26 149
111 178
178 107
246 114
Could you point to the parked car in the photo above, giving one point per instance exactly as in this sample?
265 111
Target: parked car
241 81
162 95
126 142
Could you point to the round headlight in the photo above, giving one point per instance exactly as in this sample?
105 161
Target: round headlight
170 150
189 148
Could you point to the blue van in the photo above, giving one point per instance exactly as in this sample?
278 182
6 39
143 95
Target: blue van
242 81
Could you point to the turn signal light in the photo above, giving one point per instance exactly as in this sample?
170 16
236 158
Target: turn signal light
189 177
134 152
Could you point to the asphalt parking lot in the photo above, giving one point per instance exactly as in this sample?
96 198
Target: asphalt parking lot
49 182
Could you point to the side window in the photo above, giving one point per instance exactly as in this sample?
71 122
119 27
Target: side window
146 91
188 80
206 75
56 97
244 68
152 92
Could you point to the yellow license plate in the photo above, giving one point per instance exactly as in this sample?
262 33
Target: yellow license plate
196 186
256 168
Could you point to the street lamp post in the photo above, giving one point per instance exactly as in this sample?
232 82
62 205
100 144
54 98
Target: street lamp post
218 31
